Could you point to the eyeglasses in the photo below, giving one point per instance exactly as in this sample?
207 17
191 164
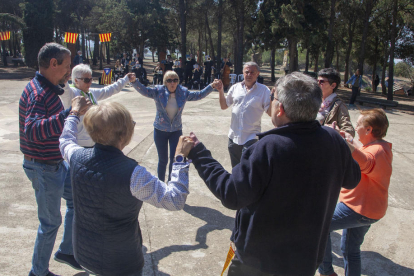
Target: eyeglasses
272 97
172 80
322 81
86 80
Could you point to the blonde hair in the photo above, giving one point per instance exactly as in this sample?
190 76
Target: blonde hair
109 124
168 75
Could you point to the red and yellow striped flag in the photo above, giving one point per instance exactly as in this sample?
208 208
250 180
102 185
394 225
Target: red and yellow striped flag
105 37
5 35
71 38
106 76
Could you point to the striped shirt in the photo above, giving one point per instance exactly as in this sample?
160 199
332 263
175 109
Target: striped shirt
41 119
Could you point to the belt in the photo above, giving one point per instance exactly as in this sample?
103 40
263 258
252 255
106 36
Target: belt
47 162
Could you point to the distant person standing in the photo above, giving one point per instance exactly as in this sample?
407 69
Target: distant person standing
125 63
376 82
78 58
140 60
207 70
169 63
356 81
41 120
5 55
188 74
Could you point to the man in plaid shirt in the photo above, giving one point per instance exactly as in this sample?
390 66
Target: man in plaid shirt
41 121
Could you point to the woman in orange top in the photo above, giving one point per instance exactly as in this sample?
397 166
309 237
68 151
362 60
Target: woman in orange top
367 203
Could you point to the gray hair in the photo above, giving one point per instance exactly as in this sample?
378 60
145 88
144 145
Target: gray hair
49 51
79 70
300 95
251 63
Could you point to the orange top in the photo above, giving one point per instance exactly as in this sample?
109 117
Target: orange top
370 197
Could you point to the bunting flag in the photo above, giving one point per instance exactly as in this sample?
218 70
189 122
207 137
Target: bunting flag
4 35
71 37
105 37
230 256
106 76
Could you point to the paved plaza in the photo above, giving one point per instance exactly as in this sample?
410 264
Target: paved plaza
194 241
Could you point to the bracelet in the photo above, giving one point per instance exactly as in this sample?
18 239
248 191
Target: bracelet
74 112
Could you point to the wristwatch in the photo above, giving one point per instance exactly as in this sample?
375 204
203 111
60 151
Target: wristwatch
74 112
179 158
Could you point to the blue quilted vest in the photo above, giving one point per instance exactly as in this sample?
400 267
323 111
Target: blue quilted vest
106 234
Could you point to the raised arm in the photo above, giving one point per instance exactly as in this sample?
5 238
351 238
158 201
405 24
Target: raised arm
145 91
112 89
222 98
195 96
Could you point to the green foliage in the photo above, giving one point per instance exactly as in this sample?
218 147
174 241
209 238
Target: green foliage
38 16
403 69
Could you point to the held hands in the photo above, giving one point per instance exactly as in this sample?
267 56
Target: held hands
132 78
185 144
217 84
80 104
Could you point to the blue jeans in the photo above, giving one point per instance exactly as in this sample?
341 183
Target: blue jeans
161 139
51 183
355 227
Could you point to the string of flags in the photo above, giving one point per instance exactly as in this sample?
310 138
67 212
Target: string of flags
4 35
72 37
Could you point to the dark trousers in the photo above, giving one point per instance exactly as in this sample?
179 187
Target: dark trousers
236 150
355 91
188 77
161 139
207 78
237 268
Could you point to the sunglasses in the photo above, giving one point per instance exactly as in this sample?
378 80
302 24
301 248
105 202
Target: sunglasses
172 80
322 81
272 97
86 80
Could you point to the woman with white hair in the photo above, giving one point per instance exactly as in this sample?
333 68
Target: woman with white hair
81 83
170 100
109 189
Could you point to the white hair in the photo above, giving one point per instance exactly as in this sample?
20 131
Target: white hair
79 70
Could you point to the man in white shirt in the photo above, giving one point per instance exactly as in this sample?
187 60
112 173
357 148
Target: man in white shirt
250 100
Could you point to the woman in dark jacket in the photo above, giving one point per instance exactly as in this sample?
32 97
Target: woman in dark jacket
109 189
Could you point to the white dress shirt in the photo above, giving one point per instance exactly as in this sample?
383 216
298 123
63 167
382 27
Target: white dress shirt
247 111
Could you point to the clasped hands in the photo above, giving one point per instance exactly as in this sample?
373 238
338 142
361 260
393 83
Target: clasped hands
186 144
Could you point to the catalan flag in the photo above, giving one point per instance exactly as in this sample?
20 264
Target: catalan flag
106 76
71 38
4 35
105 37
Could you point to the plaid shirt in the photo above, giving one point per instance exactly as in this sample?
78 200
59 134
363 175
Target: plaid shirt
41 119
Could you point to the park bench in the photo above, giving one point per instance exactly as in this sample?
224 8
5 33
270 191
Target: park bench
17 61
382 103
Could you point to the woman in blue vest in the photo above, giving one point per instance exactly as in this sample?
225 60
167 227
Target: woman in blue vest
109 189
170 100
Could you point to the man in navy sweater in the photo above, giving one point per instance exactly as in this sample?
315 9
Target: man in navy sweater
286 186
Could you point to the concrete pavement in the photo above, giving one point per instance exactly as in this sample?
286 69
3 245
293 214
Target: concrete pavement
194 241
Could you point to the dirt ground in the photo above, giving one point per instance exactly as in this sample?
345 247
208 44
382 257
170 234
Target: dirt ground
405 103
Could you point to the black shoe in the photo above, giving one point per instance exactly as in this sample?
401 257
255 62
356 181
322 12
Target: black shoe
49 274
67 259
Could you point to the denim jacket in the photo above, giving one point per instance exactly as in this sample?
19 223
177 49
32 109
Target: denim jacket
353 79
160 94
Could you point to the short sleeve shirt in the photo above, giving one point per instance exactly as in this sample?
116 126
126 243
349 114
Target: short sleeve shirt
247 111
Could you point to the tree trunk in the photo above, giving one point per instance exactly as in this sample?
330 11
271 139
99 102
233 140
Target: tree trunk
183 15
209 35
316 62
272 64
293 54
392 48
240 39
337 57
307 61
108 54
374 67
384 68
96 50
100 58
219 33
368 10
330 45
351 28
83 39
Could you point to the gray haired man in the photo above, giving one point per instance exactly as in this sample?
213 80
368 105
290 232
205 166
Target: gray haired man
286 186
250 100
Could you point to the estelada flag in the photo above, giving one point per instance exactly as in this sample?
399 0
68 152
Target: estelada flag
106 76
71 38
5 35
105 37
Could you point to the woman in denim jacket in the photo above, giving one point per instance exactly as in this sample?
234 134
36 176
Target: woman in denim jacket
170 100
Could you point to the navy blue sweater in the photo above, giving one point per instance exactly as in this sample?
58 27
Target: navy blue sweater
285 190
